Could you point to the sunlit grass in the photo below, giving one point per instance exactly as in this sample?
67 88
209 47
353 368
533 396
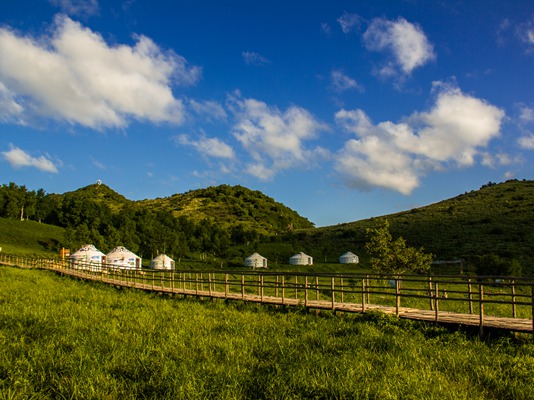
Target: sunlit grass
62 338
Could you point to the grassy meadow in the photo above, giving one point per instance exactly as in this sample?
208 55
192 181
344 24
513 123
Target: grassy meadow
62 338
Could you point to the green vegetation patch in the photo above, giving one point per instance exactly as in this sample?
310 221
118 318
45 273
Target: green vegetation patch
62 338
29 238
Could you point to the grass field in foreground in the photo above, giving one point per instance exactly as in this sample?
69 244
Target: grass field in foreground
61 338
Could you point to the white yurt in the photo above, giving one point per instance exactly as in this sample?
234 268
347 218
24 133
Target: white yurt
301 259
121 257
88 257
349 258
162 262
256 261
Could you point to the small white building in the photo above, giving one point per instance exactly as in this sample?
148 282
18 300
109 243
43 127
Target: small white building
88 257
121 257
162 262
256 261
349 258
301 259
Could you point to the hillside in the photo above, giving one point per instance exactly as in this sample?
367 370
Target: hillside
229 222
231 206
29 238
496 219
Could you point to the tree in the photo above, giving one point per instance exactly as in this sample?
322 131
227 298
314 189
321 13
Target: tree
394 257
492 264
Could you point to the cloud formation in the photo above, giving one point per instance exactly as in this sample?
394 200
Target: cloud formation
77 7
275 140
210 147
252 58
395 155
349 22
406 42
18 158
341 82
73 75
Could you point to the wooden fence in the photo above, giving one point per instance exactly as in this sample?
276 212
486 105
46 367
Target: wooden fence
482 301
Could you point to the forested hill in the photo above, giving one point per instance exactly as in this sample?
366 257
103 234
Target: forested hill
231 206
496 219
201 221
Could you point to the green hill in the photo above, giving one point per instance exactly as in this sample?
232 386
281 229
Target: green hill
229 221
231 206
30 238
496 219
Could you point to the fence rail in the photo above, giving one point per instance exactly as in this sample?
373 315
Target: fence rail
483 301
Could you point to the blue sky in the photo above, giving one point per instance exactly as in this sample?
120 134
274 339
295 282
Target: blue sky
342 110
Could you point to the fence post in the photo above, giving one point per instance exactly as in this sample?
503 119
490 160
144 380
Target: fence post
481 308
363 295
261 283
430 293
276 287
306 291
226 285
243 286
209 282
514 310
333 294
470 296
283 290
397 296
368 291
436 301
196 283
342 289
316 287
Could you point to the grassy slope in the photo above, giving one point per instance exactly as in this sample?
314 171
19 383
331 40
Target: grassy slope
29 238
496 219
230 205
60 338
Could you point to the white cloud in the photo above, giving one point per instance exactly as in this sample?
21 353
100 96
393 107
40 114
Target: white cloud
526 114
211 147
75 76
275 140
349 22
342 82
407 43
10 109
211 110
527 142
252 58
77 7
395 155
325 28
18 158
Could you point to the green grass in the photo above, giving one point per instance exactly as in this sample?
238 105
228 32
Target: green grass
61 338
29 238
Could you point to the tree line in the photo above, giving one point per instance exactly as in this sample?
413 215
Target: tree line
88 219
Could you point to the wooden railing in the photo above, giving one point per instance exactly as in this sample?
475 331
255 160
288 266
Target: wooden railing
483 301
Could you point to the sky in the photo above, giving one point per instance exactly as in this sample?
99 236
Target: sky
340 109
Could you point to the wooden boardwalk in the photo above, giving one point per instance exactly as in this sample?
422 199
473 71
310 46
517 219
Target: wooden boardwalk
443 317
193 283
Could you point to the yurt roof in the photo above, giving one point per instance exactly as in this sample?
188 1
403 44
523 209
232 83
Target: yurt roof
348 254
162 257
255 256
87 249
121 251
300 255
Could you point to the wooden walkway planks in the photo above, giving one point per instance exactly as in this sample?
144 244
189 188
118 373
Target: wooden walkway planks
446 317
512 324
